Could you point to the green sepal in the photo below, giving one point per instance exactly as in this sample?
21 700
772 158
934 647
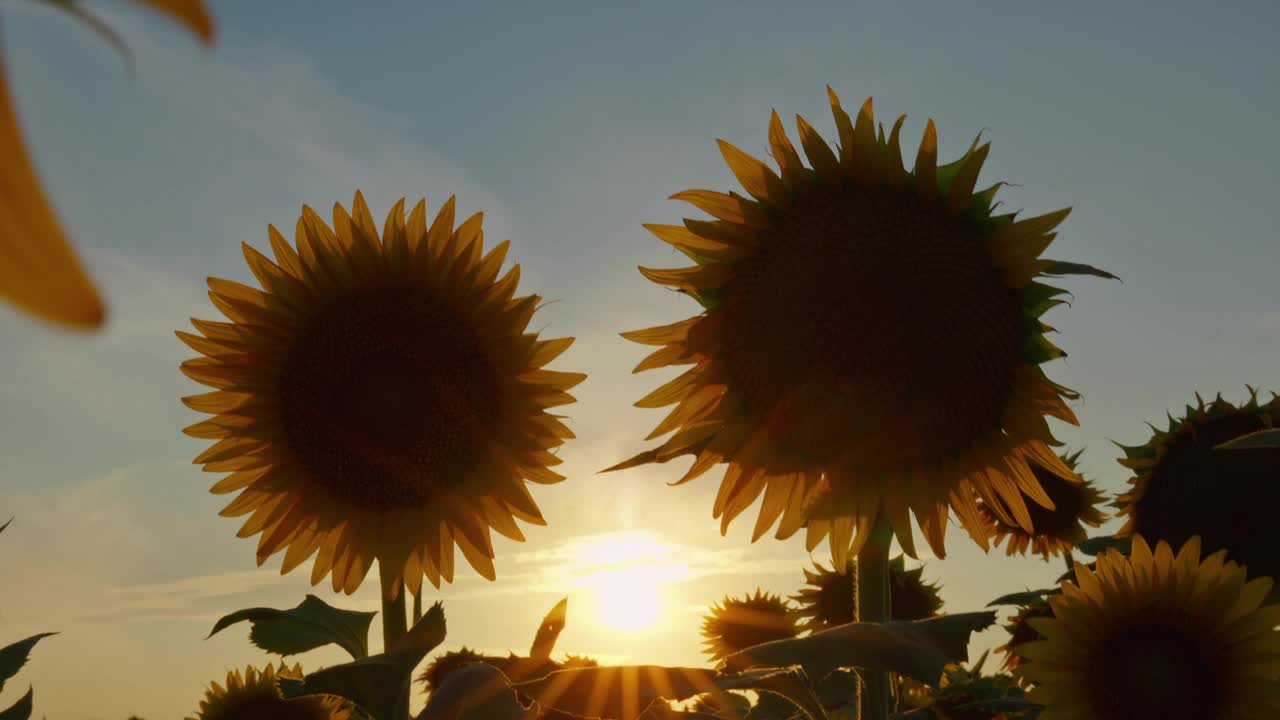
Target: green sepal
1023 598
1059 268
1102 543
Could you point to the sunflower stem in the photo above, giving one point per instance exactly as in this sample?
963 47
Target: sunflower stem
872 592
394 626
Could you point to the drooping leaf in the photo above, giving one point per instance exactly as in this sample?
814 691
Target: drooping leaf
549 631
918 649
1253 441
625 692
618 691
476 692
14 656
377 683
1102 543
1024 597
20 710
790 683
1059 268
312 624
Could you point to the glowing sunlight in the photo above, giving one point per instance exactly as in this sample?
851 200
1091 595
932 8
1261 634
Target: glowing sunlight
627 574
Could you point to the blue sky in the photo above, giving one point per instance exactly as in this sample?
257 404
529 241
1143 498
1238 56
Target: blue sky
569 124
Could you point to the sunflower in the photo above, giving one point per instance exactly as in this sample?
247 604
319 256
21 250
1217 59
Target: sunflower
1021 632
1054 531
1182 486
42 273
380 398
870 339
827 599
735 624
1157 636
254 696
442 665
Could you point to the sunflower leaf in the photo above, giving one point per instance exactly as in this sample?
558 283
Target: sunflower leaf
629 690
1058 268
20 710
1253 441
789 683
378 683
13 657
312 624
5 525
919 649
549 631
476 692
1022 598
1102 543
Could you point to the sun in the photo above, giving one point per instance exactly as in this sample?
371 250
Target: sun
627 574
628 599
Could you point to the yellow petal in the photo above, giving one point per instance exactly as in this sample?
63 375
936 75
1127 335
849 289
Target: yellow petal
191 13
926 170
757 178
39 270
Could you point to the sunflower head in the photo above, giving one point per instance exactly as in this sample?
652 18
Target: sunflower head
440 667
1183 487
735 624
379 398
254 696
1054 530
572 661
871 338
827 598
1021 632
1156 636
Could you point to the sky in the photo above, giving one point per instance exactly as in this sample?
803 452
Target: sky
569 125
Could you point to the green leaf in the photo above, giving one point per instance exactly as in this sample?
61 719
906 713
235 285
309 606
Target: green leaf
917 649
314 623
1252 441
790 683
377 683
20 710
13 657
1102 543
545 639
1024 597
476 692
625 692
1059 268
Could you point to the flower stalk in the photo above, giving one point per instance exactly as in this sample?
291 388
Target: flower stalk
871 590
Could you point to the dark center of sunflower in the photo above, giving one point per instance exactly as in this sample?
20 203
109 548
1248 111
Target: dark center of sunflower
1069 501
387 398
835 597
737 627
879 323
1227 497
1157 671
